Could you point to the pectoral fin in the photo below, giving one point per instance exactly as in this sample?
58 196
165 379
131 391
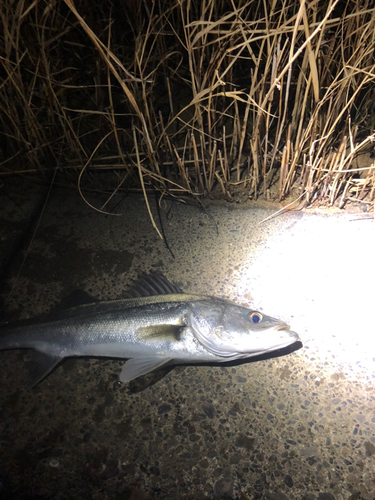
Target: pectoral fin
161 332
134 368
41 365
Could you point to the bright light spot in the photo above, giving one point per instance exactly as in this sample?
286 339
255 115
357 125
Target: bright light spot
318 275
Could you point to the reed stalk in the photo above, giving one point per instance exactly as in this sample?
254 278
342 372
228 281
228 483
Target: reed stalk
205 98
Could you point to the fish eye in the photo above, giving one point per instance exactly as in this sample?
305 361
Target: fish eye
255 317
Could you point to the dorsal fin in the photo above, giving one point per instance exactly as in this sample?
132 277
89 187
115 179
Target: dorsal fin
151 284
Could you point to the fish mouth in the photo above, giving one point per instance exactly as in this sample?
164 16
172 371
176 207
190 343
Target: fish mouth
287 338
291 336
281 325
281 344
277 341
286 328
282 328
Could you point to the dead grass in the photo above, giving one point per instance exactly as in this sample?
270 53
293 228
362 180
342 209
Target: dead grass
192 98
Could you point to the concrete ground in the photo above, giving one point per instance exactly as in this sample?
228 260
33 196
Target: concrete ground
301 426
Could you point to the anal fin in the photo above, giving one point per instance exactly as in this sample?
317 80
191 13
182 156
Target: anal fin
41 365
134 368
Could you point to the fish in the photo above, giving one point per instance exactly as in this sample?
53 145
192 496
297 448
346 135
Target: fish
155 324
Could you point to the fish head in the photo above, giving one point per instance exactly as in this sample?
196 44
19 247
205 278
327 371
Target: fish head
234 332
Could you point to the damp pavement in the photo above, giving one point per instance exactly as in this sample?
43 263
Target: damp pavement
299 426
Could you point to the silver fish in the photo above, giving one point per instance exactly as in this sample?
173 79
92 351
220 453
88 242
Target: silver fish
159 324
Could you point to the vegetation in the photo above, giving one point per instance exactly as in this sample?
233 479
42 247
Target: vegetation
241 99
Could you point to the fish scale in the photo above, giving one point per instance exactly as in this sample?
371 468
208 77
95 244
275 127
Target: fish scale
149 330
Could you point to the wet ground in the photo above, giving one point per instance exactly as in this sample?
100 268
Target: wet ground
301 426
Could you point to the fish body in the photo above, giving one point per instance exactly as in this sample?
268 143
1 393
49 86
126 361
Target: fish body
160 324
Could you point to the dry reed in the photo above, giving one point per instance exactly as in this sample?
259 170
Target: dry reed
236 99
